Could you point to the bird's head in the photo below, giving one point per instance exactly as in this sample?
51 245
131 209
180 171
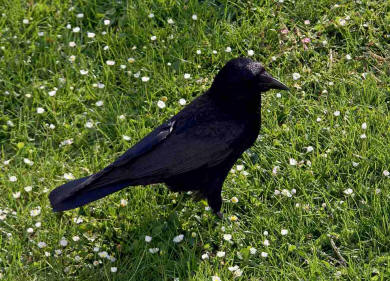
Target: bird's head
243 78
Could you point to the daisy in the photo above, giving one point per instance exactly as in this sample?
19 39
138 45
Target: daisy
178 239
148 239
348 191
161 104
40 110
293 162
13 178
296 76
42 245
153 250
227 237
220 254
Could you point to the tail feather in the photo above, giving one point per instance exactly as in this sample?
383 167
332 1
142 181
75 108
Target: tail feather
70 195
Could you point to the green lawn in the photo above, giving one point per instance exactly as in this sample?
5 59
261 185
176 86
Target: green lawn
74 96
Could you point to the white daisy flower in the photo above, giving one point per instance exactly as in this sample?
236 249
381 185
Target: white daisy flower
13 178
178 238
220 254
69 176
227 237
296 76
161 104
63 242
348 191
42 245
40 110
284 232
153 250
293 162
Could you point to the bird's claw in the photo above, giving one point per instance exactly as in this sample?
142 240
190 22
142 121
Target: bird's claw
219 214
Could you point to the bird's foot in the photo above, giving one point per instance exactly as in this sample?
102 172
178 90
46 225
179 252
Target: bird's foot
219 214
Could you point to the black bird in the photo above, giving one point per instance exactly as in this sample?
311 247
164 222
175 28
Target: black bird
194 150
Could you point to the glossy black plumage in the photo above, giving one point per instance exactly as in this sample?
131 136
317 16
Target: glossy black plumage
194 150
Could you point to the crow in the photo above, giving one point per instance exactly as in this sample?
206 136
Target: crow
192 151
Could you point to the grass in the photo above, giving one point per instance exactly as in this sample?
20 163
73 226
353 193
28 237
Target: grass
342 188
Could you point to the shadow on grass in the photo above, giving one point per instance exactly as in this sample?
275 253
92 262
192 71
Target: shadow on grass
121 233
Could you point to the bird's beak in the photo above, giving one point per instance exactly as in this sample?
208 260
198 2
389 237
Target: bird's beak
272 83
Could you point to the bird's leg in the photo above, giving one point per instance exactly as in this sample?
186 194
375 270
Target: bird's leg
215 201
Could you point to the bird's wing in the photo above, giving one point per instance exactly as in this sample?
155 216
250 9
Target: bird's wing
173 148
145 145
189 146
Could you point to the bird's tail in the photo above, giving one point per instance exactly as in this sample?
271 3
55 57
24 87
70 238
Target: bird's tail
79 192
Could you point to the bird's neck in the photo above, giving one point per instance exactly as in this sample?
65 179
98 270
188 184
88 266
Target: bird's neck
238 105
